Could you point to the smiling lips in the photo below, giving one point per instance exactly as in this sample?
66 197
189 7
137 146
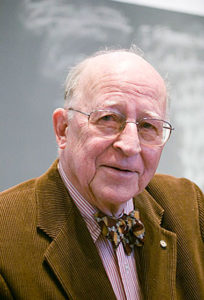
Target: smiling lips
120 169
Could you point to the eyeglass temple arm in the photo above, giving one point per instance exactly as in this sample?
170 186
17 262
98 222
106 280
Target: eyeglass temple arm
81 112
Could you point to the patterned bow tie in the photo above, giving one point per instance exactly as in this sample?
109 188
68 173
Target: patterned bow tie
128 229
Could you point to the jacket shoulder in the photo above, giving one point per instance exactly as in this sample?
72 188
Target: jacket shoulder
180 198
162 183
17 207
19 187
175 192
17 191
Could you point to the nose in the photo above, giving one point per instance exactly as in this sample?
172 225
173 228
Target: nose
128 140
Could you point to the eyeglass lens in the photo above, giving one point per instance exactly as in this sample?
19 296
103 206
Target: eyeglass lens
150 131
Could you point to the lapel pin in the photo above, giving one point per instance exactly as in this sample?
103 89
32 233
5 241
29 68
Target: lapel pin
163 244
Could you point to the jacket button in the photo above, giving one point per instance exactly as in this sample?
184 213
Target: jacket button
163 244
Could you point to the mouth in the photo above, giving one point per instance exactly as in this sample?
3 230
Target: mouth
119 169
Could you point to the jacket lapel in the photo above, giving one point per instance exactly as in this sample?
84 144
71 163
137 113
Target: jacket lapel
156 260
71 255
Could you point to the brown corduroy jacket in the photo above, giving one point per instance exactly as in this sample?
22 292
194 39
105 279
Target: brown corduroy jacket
46 251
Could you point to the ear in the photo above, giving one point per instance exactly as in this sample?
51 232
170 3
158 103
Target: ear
60 123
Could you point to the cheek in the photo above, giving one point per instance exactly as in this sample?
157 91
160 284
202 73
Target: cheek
82 154
150 157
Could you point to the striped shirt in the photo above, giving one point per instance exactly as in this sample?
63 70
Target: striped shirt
120 268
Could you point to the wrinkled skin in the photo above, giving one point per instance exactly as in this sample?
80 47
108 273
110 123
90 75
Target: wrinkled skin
108 172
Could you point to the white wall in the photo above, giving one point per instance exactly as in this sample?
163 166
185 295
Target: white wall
186 6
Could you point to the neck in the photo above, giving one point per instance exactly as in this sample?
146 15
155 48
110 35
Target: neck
111 210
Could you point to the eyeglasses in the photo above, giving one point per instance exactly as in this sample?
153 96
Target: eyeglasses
151 131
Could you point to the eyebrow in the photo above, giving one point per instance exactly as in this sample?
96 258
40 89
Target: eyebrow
113 104
151 114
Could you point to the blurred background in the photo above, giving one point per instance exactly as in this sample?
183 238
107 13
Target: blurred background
41 40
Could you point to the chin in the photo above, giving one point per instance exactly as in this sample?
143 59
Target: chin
113 197
113 193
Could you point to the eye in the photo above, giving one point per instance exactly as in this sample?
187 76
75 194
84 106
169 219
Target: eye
107 121
147 125
106 118
109 118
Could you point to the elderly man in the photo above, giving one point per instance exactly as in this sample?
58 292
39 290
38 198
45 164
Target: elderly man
99 224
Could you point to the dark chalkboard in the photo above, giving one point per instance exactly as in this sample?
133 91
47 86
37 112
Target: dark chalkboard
40 40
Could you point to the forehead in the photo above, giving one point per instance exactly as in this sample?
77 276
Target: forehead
119 77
